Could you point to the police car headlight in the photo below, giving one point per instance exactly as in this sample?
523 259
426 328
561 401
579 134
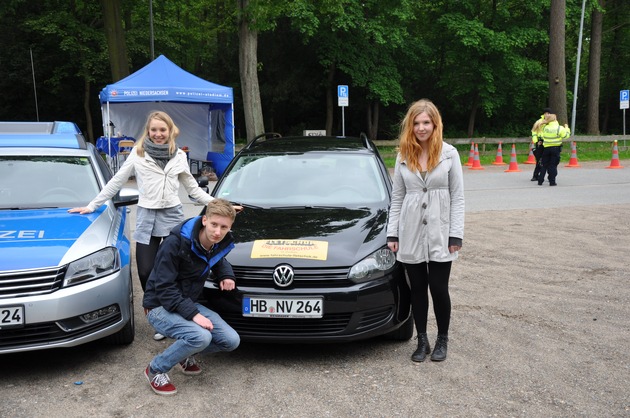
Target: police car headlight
99 264
373 266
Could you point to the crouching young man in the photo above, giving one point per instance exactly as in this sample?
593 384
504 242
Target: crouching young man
183 262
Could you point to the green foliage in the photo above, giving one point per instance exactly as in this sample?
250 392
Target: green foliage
483 62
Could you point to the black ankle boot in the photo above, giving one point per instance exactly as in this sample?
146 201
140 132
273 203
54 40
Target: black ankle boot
423 348
439 352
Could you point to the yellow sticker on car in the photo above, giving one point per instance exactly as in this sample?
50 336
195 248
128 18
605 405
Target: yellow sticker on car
290 248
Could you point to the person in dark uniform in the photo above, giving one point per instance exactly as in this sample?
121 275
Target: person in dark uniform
538 141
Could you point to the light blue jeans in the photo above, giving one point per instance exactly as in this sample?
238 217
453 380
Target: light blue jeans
190 337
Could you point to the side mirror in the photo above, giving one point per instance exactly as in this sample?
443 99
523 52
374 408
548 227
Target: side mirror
202 181
126 196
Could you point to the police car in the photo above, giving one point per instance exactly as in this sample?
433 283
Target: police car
65 279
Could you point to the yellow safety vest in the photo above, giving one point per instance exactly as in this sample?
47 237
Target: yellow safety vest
553 134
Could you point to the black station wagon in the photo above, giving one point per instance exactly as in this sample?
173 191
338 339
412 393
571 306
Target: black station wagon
311 259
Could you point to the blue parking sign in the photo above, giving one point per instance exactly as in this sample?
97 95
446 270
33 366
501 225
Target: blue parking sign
343 94
624 99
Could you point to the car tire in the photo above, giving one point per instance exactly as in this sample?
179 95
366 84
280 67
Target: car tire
403 332
126 335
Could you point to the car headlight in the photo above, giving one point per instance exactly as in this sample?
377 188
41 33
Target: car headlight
373 266
99 264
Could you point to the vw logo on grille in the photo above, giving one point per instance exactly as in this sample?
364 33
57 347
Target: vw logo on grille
283 275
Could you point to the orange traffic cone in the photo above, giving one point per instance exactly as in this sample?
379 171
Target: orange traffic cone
499 158
476 163
531 159
513 164
573 161
471 155
614 163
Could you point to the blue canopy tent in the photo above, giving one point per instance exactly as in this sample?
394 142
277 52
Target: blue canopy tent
203 111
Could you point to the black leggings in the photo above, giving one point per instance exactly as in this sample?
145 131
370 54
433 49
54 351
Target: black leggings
145 258
422 278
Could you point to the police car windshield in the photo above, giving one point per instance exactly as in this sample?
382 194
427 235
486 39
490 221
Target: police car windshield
46 181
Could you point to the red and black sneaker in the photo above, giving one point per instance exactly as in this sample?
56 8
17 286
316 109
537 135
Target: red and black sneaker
190 366
160 382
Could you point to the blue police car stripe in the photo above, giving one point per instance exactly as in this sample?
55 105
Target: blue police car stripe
39 238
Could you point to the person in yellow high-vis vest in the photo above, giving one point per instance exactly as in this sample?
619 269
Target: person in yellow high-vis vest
552 135
538 142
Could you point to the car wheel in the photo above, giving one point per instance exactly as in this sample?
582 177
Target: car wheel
126 335
402 333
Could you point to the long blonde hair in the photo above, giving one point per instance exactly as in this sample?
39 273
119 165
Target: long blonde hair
172 128
409 148
540 123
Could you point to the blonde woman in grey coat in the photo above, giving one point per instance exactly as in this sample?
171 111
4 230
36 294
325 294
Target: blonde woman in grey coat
426 219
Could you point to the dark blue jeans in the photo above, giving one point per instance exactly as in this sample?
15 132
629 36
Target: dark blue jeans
550 160
190 338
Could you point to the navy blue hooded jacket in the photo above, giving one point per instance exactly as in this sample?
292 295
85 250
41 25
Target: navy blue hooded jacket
181 268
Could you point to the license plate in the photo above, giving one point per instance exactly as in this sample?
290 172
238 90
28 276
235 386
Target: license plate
11 316
283 307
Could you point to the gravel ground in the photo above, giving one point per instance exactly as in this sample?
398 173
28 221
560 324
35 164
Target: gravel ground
540 328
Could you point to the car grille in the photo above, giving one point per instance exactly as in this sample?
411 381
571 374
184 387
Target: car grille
49 333
305 278
331 324
19 283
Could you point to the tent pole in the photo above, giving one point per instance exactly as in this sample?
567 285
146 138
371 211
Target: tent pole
109 141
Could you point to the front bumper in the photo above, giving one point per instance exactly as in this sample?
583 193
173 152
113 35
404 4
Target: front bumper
53 320
355 312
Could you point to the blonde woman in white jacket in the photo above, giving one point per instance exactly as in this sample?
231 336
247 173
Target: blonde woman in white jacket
159 166
426 219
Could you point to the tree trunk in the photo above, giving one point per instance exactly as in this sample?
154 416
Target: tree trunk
594 65
248 69
557 71
87 99
473 116
372 119
116 45
330 105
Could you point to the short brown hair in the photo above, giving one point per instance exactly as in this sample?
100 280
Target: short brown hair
220 207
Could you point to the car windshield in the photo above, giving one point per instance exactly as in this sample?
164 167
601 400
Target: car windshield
46 181
297 180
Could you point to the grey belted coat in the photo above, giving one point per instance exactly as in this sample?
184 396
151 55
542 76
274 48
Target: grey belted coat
424 213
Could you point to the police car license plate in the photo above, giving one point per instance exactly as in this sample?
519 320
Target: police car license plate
283 307
11 316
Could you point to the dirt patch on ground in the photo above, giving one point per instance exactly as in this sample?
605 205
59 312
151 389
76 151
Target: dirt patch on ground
540 328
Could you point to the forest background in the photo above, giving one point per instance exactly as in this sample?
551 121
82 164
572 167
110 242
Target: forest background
490 66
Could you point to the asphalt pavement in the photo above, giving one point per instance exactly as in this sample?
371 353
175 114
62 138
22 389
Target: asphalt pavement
590 184
492 188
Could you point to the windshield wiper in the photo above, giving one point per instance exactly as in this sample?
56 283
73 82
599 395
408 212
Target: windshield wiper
246 205
309 207
30 207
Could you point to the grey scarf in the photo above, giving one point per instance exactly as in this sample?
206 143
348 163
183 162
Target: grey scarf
159 152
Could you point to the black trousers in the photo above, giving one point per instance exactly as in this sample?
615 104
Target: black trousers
145 258
537 154
431 276
550 160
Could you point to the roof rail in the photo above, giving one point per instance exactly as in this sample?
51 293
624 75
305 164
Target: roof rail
263 136
366 141
57 134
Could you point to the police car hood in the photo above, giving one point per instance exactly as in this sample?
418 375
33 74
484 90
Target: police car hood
31 239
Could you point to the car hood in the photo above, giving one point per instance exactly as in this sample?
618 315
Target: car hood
31 239
307 237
